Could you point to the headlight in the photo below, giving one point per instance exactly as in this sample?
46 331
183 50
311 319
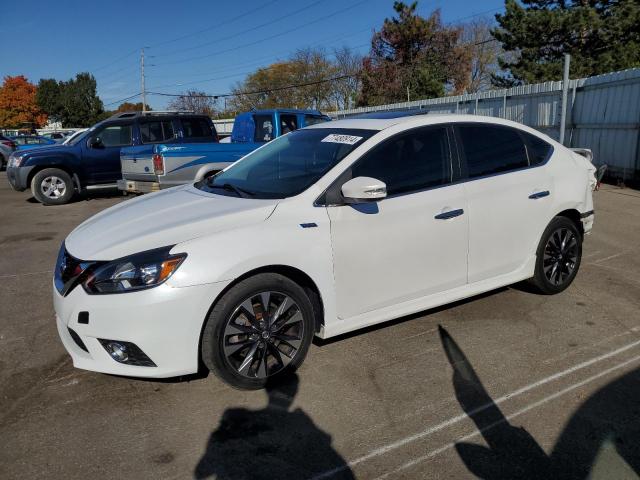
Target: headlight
15 159
136 272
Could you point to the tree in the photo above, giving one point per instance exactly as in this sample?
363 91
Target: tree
413 57
132 107
600 35
18 106
483 50
303 81
348 64
81 106
194 101
48 98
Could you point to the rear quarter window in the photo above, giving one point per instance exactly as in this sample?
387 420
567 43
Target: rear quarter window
197 129
538 150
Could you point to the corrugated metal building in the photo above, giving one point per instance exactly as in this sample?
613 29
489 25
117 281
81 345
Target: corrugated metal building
603 114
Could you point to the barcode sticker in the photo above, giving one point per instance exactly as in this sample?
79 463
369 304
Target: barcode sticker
346 139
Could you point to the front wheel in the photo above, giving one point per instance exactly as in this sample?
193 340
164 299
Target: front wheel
260 329
558 256
52 186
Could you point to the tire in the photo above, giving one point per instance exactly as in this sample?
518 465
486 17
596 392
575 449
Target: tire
52 186
558 256
247 348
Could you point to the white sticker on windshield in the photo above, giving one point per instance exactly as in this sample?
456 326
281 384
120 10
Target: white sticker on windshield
346 139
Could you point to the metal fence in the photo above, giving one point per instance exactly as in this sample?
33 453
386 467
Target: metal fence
603 114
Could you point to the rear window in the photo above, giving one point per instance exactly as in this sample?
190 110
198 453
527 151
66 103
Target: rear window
197 128
313 119
489 149
154 132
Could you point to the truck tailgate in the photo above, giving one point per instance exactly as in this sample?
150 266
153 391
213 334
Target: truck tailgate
137 163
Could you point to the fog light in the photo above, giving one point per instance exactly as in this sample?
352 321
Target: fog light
117 351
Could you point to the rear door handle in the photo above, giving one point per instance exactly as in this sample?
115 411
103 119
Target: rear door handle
535 196
449 214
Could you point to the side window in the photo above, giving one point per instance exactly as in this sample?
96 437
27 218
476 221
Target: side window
115 135
411 161
264 128
196 128
538 149
153 132
312 120
288 123
490 150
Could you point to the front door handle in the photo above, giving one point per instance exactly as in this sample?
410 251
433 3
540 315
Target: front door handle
449 214
535 196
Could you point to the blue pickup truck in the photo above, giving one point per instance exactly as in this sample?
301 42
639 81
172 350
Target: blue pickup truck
92 159
148 168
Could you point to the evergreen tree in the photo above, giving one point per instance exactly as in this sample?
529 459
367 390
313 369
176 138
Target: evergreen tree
601 36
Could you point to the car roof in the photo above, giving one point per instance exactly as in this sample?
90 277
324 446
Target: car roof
416 120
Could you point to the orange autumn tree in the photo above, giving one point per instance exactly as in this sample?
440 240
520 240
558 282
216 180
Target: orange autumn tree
18 107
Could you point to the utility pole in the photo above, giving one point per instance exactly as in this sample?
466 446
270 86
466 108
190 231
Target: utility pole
144 93
565 94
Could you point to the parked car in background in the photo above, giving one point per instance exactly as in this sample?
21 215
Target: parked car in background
156 165
92 160
73 135
58 137
326 230
7 147
26 142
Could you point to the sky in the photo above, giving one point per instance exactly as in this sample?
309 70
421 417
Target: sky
189 44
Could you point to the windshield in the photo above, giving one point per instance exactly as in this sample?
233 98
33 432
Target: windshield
288 165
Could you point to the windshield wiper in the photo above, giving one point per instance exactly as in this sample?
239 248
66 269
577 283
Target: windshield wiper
241 192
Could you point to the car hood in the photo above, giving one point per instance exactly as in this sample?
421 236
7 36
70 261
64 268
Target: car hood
44 149
160 219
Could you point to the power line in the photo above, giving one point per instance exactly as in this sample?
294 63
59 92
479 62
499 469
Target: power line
194 82
270 90
123 99
115 61
226 22
286 32
237 34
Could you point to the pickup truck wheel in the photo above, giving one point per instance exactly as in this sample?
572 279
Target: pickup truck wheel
261 328
52 186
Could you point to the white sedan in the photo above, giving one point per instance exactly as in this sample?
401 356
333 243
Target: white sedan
326 230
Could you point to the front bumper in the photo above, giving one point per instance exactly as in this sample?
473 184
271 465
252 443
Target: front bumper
135 186
18 177
164 322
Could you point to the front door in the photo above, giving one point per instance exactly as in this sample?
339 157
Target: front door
101 153
412 243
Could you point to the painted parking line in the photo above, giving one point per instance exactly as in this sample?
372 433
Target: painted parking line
522 411
458 418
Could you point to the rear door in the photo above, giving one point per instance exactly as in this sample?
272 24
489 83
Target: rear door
509 199
102 160
197 130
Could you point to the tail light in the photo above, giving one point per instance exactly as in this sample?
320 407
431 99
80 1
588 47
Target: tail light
8 143
158 164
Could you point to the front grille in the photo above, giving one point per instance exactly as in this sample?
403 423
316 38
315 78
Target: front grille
76 338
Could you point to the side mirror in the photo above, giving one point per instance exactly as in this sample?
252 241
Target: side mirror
95 142
363 190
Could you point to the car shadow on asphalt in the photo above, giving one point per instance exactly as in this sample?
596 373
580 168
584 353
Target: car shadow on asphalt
270 443
600 441
88 196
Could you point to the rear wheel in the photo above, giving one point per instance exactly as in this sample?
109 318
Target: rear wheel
52 186
260 329
558 256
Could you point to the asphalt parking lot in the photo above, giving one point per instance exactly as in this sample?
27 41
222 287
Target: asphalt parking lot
510 384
